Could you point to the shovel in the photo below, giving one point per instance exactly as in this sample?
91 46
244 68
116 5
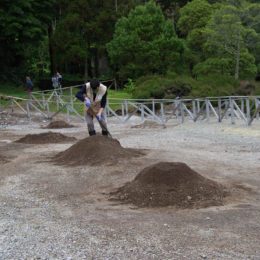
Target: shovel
101 122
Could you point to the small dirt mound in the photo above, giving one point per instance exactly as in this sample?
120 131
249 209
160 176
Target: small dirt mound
45 138
3 159
149 124
58 124
170 184
95 150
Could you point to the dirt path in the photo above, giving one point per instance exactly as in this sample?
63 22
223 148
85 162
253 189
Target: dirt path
49 211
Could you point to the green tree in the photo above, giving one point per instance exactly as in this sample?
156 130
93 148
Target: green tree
23 24
144 43
82 31
194 15
193 18
229 34
171 9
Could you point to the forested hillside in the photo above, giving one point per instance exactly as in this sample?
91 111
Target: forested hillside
163 48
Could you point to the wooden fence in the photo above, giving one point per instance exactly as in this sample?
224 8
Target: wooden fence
50 103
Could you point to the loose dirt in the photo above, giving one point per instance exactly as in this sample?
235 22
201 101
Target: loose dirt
48 211
149 124
45 138
171 184
58 124
3 159
95 150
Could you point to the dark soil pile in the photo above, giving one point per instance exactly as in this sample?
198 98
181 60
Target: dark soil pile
170 184
45 138
95 150
58 124
3 159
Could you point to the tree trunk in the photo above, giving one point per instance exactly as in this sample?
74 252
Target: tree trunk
96 64
238 56
90 67
86 70
116 5
52 68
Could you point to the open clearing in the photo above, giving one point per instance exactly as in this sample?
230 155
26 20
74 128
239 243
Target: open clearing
52 211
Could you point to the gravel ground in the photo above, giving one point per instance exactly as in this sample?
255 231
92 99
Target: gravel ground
54 212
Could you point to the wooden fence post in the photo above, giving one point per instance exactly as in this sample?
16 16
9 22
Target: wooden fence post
194 109
248 116
207 109
142 112
232 110
162 113
182 112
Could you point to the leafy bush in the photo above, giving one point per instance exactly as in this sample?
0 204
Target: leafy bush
214 85
158 87
130 86
257 89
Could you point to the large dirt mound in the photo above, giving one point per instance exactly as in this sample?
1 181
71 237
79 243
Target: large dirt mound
166 183
45 138
95 150
58 124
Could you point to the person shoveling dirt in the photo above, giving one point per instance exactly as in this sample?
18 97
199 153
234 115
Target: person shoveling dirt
95 150
45 138
58 124
170 184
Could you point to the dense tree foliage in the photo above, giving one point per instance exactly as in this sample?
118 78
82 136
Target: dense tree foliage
23 25
130 39
229 34
82 31
145 43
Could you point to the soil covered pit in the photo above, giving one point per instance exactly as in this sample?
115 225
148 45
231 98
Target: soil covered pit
58 124
95 150
45 138
170 184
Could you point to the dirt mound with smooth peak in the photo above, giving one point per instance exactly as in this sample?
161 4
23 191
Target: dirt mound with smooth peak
95 150
45 138
58 124
171 184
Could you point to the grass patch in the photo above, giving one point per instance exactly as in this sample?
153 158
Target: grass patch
12 90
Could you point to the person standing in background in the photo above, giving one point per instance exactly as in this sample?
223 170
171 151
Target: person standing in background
54 81
59 77
29 86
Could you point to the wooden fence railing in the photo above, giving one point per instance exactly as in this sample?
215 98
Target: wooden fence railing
49 104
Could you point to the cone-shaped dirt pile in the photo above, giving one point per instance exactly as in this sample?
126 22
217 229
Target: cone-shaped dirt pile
95 150
165 184
45 138
58 124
